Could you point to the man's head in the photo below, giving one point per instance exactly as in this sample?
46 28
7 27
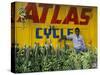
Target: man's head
77 31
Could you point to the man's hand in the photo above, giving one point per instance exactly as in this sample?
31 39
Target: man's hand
62 38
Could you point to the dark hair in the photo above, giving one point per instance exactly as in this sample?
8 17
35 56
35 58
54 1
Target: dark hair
77 29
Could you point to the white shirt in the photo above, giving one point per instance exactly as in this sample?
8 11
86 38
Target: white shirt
77 41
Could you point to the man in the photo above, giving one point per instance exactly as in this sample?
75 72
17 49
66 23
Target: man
78 41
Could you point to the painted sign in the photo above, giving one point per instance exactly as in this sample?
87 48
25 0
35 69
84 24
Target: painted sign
40 23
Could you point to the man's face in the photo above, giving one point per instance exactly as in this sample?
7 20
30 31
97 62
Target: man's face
77 32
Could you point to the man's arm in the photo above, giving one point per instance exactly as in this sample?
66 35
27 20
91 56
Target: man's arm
63 38
68 37
82 41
